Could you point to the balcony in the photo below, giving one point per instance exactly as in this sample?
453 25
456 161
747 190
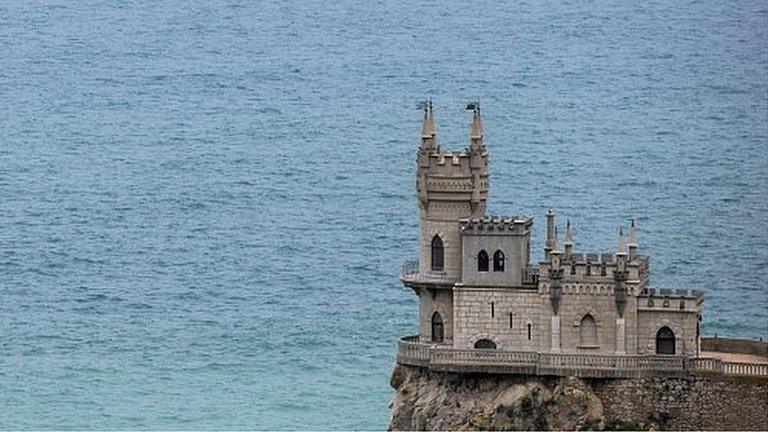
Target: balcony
411 277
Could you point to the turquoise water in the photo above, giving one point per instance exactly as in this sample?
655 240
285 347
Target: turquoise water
205 207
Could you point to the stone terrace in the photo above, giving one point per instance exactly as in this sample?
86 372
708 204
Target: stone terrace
412 352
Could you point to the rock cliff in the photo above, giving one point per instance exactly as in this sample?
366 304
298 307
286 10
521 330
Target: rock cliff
427 400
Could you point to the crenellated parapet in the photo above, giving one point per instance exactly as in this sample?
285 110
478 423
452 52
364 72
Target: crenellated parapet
666 300
496 225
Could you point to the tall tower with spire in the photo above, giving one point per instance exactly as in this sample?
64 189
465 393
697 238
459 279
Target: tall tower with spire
451 185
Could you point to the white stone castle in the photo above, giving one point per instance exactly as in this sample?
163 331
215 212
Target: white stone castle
479 291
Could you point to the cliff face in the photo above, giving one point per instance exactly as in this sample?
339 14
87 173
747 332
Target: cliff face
427 400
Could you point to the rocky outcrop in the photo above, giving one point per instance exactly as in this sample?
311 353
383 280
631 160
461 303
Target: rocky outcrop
427 400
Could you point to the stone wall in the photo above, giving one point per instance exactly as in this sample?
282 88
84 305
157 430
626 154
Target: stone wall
428 400
736 346
432 301
687 403
682 322
473 319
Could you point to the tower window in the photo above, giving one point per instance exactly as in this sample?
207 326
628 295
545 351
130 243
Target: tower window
498 261
437 253
482 261
493 309
510 320
529 331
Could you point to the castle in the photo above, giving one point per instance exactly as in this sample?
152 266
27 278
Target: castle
479 291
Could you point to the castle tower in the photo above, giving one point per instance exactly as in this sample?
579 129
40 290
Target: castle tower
451 186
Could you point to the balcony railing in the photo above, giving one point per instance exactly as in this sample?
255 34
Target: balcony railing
439 357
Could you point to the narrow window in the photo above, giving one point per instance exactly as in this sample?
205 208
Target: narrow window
437 253
492 309
510 320
529 331
573 269
602 270
437 327
589 270
482 261
498 261
588 332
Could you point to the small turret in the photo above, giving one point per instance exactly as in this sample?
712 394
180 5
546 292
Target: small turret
549 245
478 158
568 240
632 241
476 131
428 129
555 274
621 251
620 275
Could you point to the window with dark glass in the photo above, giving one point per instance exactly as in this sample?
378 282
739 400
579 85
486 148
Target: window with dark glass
498 261
437 253
529 331
485 344
482 261
437 327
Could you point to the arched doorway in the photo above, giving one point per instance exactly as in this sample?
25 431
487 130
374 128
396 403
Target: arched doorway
588 332
437 327
437 253
485 344
665 341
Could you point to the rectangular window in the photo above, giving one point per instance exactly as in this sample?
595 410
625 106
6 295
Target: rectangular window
492 310
510 320
529 332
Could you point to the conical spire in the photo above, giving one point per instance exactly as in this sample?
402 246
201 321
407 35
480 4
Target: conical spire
568 235
556 243
428 128
621 247
632 233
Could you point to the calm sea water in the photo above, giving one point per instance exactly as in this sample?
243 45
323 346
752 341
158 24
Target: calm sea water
204 207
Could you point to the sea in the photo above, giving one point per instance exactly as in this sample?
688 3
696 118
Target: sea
205 205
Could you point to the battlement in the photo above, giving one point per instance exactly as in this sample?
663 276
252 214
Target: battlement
496 225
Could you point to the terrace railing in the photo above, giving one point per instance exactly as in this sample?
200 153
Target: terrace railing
440 357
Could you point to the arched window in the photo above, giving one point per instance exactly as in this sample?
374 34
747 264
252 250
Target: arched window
588 332
437 327
482 261
437 253
498 261
665 341
485 344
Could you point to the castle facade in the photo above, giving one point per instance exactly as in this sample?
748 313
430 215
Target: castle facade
479 290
